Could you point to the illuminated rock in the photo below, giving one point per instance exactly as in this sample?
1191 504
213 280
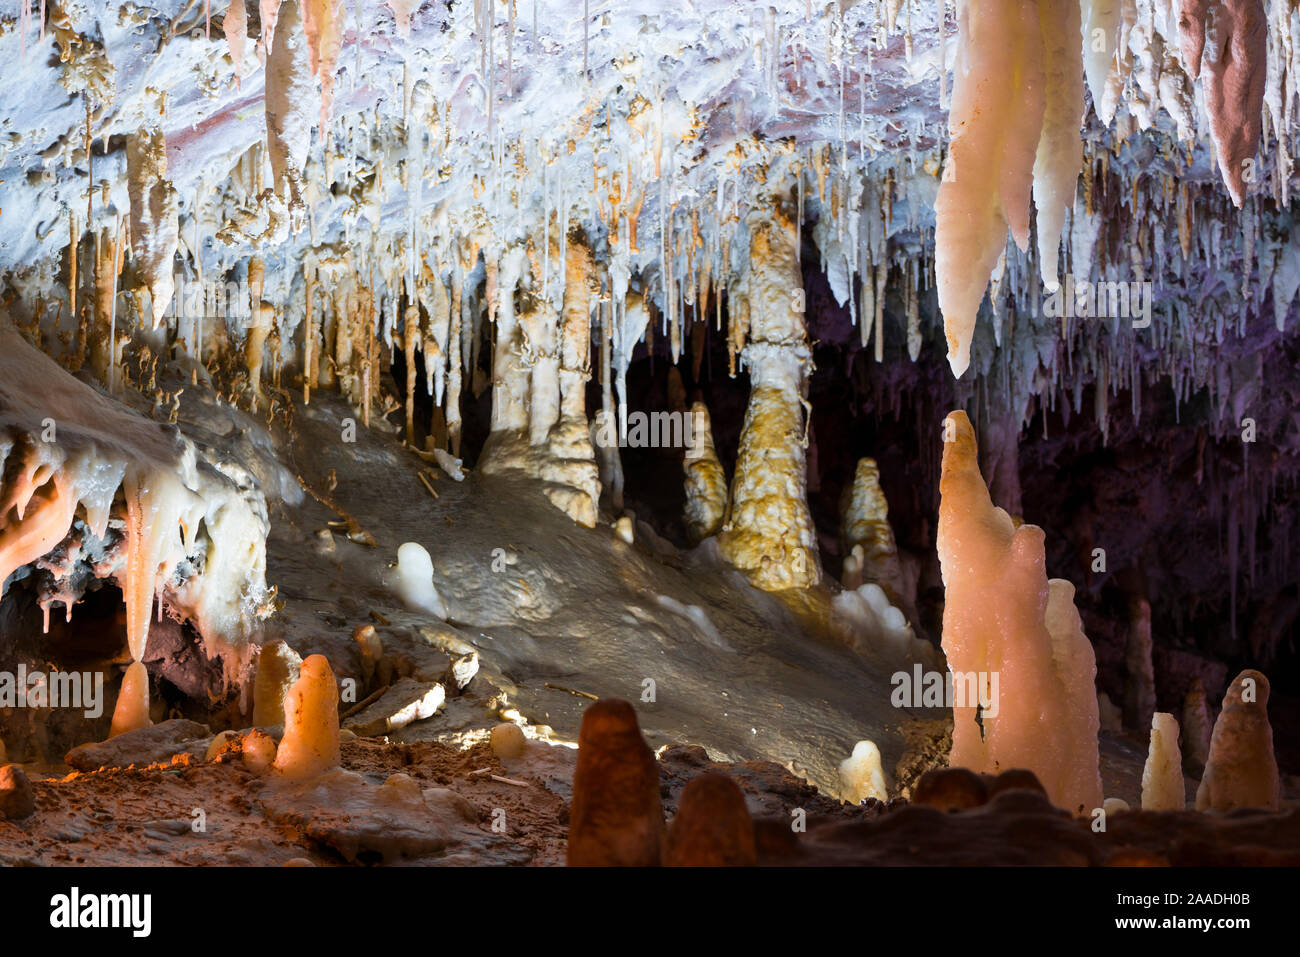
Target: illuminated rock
1242 769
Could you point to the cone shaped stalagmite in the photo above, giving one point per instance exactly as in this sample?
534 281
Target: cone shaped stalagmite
310 745
706 483
616 817
1162 777
132 710
1242 769
1004 620
712 827
865 522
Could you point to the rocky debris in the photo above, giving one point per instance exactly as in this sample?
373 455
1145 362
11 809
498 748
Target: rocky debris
712 827
371 824
951 789
616 817
404 703
17 799
142 746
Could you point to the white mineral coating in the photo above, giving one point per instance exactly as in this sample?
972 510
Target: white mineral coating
415 580
1242 768
310 745
706 482
861 776
770 534
1002 616
624 529
1162 776
100 447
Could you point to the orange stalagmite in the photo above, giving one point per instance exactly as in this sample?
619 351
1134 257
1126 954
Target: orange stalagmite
310 746
1014 637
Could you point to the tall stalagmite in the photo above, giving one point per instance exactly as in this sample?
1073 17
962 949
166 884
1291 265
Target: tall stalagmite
1003 617
769 533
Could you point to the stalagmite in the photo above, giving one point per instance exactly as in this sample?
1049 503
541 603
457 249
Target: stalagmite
261 322
278 667
1002 617
1162 777
132 709
994 126
861 776
712 827
1196 723
415 580
864 524
1140 688
1242 769
310 745
706 483
769 533
615 817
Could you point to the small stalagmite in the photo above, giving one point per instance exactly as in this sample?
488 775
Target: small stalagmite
1003 617
865 523
616 818
712 827
1140 686
278 667
861 776
1196 723
1242 769
132 710
310 745
1162 777
706 482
